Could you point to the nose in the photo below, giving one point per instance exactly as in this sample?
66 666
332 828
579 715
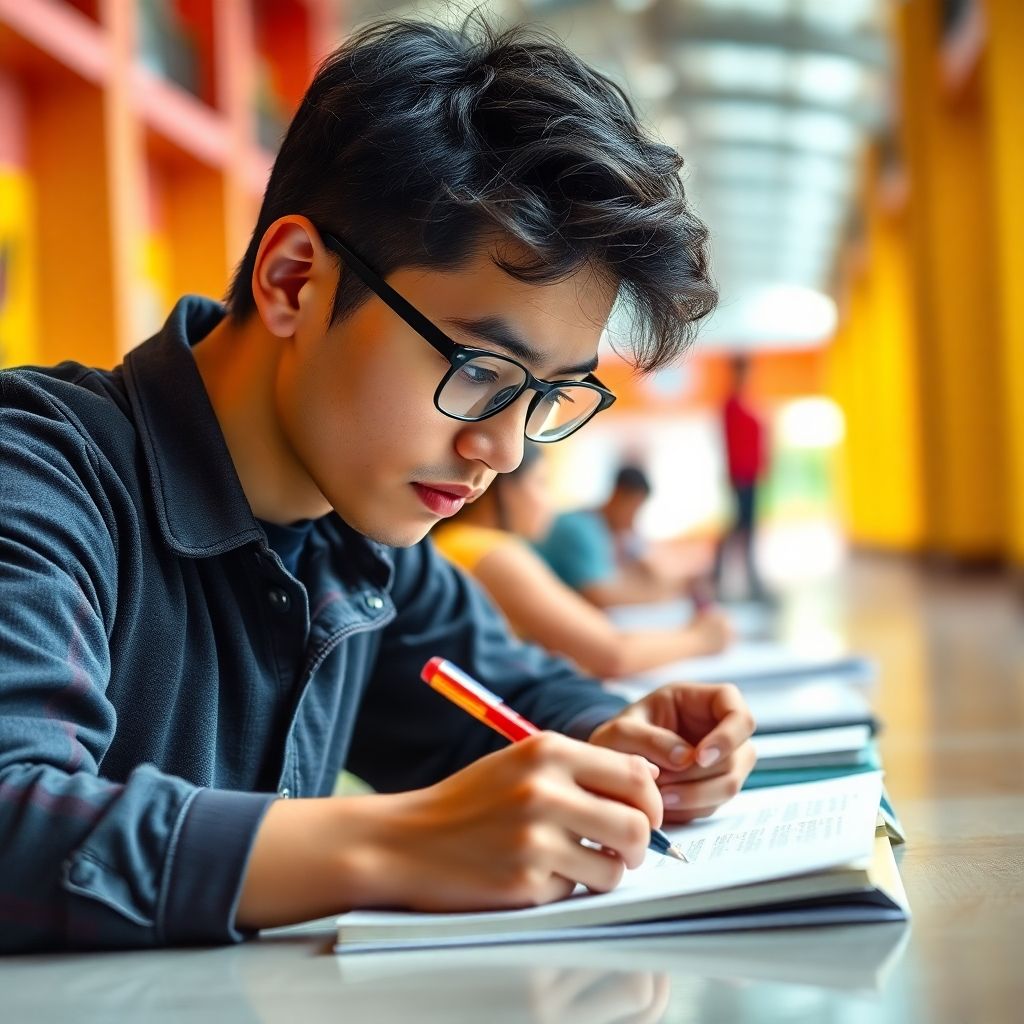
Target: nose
497 442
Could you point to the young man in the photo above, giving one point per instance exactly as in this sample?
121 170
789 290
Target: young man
215 587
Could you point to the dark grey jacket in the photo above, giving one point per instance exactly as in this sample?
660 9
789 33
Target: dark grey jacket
163 677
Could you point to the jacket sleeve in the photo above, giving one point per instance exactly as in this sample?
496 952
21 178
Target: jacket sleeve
408 735
85 861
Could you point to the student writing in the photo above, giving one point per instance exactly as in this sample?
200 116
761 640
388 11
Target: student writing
448 222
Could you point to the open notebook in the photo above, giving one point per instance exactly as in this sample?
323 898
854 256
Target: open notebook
771 857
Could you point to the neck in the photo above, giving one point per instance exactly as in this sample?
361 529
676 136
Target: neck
239 365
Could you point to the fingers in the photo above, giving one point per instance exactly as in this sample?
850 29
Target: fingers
714 717
621 778
714 629
635 735
687 798
599 870
735 726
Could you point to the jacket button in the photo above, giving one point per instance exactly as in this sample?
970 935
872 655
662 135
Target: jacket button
81 873
285 793
279 599
374 602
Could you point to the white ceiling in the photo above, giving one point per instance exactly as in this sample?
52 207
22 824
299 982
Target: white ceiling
770 103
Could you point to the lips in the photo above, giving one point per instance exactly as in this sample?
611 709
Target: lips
445 502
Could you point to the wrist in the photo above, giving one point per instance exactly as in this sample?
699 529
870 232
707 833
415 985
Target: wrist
371 839
321 856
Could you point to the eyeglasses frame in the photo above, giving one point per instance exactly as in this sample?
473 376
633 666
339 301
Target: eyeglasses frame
458 355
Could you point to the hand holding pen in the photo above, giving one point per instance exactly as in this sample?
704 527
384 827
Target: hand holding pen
472 697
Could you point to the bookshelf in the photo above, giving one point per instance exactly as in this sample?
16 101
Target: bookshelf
136 137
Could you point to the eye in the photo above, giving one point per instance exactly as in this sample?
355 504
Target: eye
474 373
562 396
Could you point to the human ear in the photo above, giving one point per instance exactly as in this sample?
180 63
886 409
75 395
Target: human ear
292 275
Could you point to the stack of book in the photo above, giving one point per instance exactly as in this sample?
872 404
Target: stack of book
810 853
814 720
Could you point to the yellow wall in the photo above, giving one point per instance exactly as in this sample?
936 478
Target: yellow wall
1004 67
19 333
929 362
78 304
953 273
872 374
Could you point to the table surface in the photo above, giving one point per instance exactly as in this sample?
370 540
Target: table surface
952 698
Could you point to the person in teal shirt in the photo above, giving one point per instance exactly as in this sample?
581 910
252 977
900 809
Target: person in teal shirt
595 551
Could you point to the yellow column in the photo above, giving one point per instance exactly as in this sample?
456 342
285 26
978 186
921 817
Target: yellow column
844 374
1004 70
955 298
873 376
893 478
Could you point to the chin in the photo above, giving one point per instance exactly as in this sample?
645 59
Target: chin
394 535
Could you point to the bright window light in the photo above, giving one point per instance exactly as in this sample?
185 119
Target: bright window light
735 66
784 314
652 81
811 423
829 78
748 122
822 133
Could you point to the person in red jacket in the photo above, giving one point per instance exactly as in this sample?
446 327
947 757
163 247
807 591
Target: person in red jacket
746 450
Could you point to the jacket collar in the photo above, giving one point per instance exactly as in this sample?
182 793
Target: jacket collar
198 498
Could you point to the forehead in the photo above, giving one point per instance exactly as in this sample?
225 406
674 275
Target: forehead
561 320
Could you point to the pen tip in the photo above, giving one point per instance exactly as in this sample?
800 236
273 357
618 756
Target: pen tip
675 851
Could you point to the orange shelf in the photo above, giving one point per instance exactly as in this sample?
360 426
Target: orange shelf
30 29
174 114
138 187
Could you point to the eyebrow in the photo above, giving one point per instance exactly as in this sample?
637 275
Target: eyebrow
497 331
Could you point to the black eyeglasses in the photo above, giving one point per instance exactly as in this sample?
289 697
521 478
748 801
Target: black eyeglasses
480 383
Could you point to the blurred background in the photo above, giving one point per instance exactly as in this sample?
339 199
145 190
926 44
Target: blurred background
858 162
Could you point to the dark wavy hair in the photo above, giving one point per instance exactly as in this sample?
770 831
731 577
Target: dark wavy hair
416 142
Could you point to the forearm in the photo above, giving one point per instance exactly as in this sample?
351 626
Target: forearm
629 587
640 650
317 857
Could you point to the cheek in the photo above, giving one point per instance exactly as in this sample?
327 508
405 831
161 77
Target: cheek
312 407
363 428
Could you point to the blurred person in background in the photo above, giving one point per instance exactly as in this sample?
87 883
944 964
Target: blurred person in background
489 539
598 552
746 449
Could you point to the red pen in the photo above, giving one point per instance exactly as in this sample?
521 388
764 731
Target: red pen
489 708
465 691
